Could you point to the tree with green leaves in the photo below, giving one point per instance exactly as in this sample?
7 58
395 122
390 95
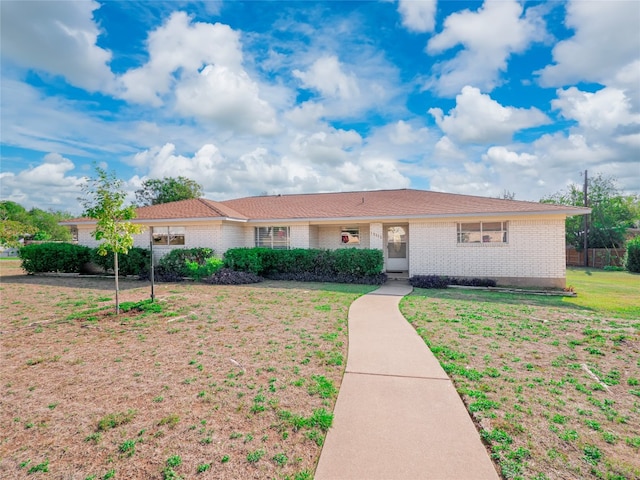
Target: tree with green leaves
612 213
169 189
48 225
11 232
17 223
103 201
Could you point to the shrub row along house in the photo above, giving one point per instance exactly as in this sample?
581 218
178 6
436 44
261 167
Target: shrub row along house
420 232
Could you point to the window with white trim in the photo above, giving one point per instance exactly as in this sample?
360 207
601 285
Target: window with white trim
350 235
168 235
273 237
483 232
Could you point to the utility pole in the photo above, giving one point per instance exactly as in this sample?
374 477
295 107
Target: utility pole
586 221
153 296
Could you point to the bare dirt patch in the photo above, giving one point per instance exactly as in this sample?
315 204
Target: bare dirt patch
223 382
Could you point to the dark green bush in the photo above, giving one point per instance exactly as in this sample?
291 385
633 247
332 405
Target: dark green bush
54 257
135 262
175 262
361 262
472 282
290 261
632 256
442 281
429 281
245 259
226 276
298 263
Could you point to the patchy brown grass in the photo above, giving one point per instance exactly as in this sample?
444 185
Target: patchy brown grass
236 381
553 384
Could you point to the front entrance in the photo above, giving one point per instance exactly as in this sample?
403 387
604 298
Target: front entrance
397 254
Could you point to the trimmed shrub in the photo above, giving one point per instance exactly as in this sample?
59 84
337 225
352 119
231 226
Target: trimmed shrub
442 281
429 281
161 274
226 276
323 264
244 259
135 262
174 263
473 282
632 256
198 272
54 257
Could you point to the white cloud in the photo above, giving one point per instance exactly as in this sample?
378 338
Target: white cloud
471 179
35 121
46 185
503 156
305 115
201 63
327 76
606 41
164 162
372 172
229 98
573 149
601 114
325 147
446 150
403 133
325 160
342 89
489 37
477 118
58 38
418 16
180 45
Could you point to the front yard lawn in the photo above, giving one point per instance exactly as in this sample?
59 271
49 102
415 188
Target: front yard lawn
553 383
211 381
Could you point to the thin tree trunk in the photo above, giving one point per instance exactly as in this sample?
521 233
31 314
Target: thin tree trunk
115 269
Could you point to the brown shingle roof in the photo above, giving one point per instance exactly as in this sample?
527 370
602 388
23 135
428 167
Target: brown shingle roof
193 208
369 204
383 203
200 208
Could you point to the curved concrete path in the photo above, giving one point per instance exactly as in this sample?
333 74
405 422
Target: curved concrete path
398 415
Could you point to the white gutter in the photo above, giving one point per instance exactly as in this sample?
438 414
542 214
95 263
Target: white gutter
567 212
164 220
581 211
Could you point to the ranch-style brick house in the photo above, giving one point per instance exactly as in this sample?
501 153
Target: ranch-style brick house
420 232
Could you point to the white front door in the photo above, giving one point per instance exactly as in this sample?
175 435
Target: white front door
397 253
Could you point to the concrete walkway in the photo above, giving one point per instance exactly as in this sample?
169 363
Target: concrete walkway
398 416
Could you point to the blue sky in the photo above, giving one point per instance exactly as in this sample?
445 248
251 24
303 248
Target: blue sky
296 97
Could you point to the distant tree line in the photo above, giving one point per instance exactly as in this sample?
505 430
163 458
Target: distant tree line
16 223
612 213
155 191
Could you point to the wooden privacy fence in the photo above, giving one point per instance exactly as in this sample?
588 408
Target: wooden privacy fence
598 257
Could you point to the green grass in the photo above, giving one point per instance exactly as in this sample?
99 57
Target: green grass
114 420
612 293
551 380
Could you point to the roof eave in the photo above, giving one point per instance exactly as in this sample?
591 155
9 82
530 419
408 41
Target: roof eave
157 220
563 212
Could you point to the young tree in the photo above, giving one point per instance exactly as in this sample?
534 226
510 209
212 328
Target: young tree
612 213
104 201
169 189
